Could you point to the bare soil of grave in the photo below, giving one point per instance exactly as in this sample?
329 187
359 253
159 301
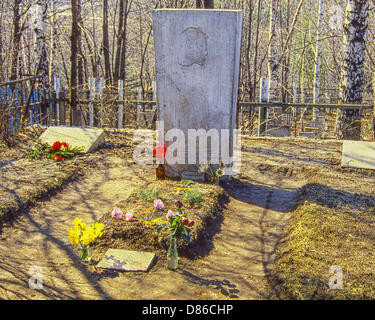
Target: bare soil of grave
135 235
271 233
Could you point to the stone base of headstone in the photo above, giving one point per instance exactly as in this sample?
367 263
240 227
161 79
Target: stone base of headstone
193 175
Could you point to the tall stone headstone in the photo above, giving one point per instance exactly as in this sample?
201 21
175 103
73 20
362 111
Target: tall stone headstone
197 72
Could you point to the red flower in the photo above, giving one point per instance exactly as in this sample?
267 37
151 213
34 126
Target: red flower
65 145
58 158
191 223
160 151
56 146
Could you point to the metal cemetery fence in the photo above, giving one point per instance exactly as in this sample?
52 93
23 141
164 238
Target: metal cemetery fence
108 107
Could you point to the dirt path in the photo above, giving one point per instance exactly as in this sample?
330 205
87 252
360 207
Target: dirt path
236 267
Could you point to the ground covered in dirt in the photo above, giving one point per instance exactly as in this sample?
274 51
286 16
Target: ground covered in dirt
273 232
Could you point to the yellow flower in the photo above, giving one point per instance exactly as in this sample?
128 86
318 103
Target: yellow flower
219 172
87 237
98 229
74 236
182 190
79 224
153 222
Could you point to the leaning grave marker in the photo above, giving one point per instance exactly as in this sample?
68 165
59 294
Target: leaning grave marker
90 139
197 71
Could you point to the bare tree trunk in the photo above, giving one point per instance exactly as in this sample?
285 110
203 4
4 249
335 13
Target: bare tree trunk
351 86
121 46
52 45
74 57
40 28
318 56
273 75
80 55
107 63
209 4
16 41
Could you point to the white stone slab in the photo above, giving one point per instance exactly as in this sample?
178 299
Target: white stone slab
358 154
197 70
125 260
89 138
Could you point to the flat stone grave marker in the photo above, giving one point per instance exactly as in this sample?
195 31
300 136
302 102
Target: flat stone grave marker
125 260
89 138
358 154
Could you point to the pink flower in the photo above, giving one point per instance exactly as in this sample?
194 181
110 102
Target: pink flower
117 213
184 221
158 204
129 216
170 214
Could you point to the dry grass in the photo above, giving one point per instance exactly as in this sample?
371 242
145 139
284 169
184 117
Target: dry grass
320 237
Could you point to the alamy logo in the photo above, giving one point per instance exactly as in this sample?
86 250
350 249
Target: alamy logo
36 278
335 281
194 146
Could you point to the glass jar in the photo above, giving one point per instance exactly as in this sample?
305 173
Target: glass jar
172 255
160 172
85 253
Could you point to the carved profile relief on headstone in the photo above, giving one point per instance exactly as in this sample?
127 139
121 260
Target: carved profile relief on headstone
194 47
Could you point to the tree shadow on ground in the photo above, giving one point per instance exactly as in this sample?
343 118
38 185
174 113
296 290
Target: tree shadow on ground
204 243
224 286
284 200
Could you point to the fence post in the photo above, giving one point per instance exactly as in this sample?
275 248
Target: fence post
262 120
17 103
99 89
295 98
120 104
154 115
139 107
154 91
91 98
9 96
57 91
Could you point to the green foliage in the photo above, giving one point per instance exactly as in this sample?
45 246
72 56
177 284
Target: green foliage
39 150
186 183
193 196
44 150
147 195
177 227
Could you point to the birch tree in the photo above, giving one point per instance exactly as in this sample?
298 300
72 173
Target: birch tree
107 61
74 54
352 73
318 56
273 74
40 29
